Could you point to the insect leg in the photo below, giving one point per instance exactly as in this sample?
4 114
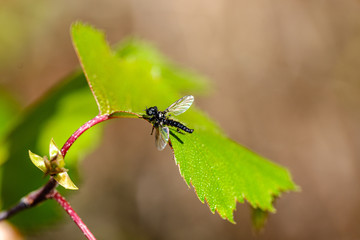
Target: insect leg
152 131
178 130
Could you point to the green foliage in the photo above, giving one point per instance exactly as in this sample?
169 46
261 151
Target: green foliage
38 161
53 166
124 83
221 171
56 115
8 109
258 218
140 79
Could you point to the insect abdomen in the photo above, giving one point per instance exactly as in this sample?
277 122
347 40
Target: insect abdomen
178 125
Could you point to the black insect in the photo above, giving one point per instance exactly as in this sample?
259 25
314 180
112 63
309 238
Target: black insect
160 120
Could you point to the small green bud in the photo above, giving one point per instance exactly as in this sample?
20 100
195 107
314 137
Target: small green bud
53 167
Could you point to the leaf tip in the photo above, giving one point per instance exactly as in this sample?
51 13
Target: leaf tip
53 149
79 29
259 219
77 24
37 161
64 180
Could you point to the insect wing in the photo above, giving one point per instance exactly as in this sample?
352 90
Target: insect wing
181 105
161 137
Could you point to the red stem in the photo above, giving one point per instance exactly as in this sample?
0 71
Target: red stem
81 130
49 189
66 206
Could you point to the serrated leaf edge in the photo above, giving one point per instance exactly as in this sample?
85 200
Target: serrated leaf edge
274 194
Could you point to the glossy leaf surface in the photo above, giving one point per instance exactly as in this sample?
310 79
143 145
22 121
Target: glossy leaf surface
221 171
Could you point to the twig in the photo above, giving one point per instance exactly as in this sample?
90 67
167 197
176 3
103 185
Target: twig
48 190
31 200
81 130
66 206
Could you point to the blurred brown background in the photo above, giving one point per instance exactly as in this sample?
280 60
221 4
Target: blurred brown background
287 85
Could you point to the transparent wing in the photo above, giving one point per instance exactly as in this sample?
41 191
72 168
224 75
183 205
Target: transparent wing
161 137
181 105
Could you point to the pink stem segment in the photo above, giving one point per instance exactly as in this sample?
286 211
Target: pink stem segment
81 130
66 206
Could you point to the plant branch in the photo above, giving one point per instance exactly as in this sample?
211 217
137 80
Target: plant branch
31 200
81 130
66 206
48 190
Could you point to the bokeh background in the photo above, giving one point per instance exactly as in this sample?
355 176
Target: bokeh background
286 77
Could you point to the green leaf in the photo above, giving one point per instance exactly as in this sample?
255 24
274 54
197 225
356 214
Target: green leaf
54 152
259 218
38 161
8 109
135 75
64 180
221 171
